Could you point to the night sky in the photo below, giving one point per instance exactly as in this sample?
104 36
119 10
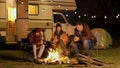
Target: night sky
98 9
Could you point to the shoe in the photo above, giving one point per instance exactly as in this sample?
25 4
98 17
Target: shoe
40 60
36 61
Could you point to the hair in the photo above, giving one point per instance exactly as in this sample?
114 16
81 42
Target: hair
61 31
36 30
79 23
58 25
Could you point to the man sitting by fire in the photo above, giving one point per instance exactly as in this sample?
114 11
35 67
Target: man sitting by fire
84 36
59 40
35 39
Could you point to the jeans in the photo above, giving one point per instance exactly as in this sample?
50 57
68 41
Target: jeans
40 52
86 46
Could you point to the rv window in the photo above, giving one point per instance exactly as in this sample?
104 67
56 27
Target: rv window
33 9
58 18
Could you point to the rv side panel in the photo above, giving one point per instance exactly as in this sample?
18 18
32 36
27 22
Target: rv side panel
3 18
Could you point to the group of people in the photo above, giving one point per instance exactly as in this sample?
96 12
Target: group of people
82 37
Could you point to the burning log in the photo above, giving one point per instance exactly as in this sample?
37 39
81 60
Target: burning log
89 60
54 57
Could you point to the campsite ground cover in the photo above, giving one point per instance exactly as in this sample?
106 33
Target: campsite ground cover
14 59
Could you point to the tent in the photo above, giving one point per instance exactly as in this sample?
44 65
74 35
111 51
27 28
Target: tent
104 39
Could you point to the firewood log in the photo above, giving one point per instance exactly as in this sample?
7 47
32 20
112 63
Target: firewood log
89 60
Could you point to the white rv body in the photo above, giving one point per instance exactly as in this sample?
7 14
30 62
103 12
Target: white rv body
44 19
2 18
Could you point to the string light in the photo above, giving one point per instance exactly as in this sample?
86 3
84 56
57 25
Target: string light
66 15
79 16
117 16
66 9
92 16
105 17
84 14
75 12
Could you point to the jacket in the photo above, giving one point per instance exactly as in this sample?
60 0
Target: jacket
86 33
33 39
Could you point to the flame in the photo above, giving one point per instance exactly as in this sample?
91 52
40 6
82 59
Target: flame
54 56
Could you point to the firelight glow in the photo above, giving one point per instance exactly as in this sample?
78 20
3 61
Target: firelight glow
55 56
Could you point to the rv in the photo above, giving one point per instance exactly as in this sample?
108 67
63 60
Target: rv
19 17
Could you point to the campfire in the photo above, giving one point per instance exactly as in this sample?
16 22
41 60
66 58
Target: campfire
55 57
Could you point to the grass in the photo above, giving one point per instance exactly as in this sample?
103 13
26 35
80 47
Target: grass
14 59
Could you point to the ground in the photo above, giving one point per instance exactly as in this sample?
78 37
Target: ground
14 59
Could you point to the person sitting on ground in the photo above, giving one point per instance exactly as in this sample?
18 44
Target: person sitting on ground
84 36
35 39
59 40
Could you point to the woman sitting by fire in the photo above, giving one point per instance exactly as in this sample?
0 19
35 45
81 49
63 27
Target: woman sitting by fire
59 40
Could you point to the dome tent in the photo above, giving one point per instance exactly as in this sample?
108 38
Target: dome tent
104 39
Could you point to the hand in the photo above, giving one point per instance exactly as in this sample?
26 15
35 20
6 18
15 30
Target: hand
76 39
55 41
41 42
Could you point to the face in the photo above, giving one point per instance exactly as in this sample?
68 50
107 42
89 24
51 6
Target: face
37 33
58 28
79 27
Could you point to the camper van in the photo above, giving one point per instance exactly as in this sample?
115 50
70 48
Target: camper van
19 17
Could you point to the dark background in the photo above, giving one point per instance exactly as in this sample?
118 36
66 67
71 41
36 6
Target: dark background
98 8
